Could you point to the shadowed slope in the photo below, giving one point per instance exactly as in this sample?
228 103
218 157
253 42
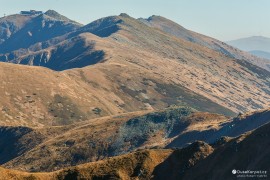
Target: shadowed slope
38 28
232 128
76 52
14 141
181 160
248 152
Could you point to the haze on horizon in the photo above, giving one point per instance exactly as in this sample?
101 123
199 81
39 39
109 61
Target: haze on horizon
225 19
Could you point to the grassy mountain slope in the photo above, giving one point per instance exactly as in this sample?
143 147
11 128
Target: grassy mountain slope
63 146
189 63
199 160
94 140
70 96
176 30
138 164
138 68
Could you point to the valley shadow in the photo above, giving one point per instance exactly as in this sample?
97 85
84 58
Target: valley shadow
175 166
231 129
13 143
103 27
75 55
42 29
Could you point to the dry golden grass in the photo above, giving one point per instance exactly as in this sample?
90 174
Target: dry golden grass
131 166
143 69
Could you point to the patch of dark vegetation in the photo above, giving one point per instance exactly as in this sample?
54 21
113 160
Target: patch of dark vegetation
31 177
137 130
97 111
68 175
137 94
84 78
106 177
69 143
179 95
132 93
65 111
93 152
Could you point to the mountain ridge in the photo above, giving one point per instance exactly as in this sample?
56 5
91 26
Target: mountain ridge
179 31
176 68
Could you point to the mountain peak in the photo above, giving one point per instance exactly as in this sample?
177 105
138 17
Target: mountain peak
57 16
155 17
124 15
52 12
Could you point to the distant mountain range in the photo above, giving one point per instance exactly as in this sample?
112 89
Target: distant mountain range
256 45
262 54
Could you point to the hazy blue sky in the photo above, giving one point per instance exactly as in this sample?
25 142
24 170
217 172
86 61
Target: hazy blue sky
222 19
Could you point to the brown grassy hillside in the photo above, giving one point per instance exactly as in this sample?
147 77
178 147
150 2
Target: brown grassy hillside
199 160
139 164
63 146
142 68
176 30
53 148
